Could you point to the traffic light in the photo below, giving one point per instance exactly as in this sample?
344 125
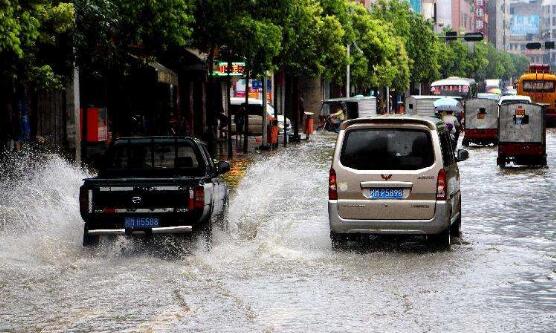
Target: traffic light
548 45
451 35
533 46
473 36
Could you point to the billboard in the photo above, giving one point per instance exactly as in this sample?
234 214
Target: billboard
523 25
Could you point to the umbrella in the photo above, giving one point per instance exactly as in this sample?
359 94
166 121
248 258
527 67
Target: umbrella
447 104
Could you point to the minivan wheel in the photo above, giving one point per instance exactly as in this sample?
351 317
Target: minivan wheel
455 230
340 240
442 240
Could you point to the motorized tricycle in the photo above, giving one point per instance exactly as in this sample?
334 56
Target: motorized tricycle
521 135
351 107
481 122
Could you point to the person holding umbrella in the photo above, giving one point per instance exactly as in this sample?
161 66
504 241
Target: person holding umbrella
447 109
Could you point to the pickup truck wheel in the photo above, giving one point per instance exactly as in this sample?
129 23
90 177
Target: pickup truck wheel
204 230
89 240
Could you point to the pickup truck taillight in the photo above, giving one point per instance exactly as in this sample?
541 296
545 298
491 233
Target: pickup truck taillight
196 198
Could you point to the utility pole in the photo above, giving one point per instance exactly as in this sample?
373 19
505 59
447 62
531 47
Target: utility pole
228 98
348 72
246 115
76 116
264 144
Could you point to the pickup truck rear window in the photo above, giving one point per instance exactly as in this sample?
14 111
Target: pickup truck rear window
155 159
387 149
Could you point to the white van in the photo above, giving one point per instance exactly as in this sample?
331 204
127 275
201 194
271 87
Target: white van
255 117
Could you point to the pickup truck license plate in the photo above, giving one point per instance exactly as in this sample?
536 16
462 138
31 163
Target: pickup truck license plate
141 222
386 193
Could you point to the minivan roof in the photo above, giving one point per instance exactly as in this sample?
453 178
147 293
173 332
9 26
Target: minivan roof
430 122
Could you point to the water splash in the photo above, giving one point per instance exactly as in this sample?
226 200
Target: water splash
39 210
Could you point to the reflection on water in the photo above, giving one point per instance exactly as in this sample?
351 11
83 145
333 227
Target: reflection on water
238 168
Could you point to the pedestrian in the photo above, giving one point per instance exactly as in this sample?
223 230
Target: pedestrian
239 120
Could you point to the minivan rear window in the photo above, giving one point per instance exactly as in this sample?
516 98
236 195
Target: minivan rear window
387 149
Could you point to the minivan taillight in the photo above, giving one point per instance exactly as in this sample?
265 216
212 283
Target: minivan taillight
441 185
332 188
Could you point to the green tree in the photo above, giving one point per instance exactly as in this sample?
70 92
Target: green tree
29 32
521 64
455 59
417 35
109 31
380 58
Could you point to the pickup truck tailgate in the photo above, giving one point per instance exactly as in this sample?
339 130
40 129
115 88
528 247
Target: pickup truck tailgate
149 195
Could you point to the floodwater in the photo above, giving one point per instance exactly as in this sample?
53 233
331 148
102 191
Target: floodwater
271 267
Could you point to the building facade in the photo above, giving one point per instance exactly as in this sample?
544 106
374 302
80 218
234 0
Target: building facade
498 12
548 29
525 26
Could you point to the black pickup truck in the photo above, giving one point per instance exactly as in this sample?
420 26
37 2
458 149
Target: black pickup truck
153 185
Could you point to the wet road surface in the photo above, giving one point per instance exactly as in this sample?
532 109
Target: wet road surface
271 268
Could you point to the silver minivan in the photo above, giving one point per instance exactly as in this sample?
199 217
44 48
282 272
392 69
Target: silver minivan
395 175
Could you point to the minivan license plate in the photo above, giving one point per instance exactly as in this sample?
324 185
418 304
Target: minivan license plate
386 193
141 222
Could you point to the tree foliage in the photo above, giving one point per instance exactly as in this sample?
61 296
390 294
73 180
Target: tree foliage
29 29
109 31
417 35
380 58
480 61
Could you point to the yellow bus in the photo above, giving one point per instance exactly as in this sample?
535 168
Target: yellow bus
540 84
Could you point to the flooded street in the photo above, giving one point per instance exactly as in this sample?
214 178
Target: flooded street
272 268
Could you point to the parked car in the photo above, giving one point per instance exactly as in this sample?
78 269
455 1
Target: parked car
153 185
255 116
395 175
